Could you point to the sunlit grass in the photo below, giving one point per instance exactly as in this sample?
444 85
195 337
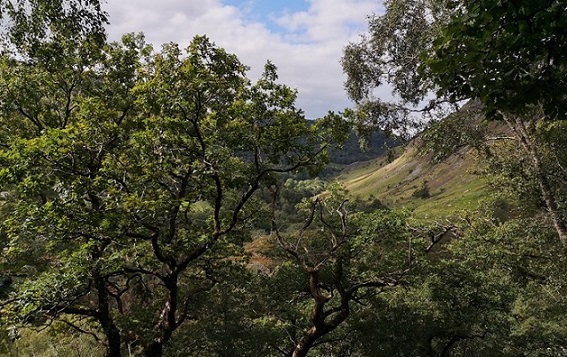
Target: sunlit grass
454 185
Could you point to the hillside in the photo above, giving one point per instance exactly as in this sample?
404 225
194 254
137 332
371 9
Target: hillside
450 185
431 188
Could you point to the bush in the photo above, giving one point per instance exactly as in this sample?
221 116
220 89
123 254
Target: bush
422 192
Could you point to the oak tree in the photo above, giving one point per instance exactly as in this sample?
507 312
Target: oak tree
129 177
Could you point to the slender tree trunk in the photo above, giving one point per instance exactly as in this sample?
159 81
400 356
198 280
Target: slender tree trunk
168 322
306 342
543 181
111 331
324 322
319 328
104 316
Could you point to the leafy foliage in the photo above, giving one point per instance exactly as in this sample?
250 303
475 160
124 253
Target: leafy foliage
131 181
127 168
509 55
389 57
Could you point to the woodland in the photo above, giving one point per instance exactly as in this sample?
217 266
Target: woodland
161 203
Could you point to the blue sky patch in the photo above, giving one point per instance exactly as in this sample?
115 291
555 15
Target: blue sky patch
264 11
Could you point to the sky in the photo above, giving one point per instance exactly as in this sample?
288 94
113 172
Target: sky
303 38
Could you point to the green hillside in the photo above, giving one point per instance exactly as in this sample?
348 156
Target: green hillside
432 190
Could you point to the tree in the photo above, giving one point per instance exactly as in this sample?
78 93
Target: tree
62 115
343 259
508 56
389 57
29 25
130 177
512 57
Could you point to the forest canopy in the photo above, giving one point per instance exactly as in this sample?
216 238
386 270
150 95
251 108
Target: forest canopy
161 203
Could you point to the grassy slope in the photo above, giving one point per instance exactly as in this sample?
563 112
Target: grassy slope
453 184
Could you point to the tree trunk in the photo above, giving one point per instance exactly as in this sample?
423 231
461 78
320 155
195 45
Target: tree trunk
323 321
114 341
306 342
167 323
104 316
543 181
155 349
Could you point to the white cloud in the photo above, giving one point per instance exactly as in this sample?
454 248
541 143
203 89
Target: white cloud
307 55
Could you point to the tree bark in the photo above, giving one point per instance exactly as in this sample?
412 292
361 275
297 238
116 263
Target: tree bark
103 313
114 341
167 322
111 331
324 321
306 342
155 349
543 181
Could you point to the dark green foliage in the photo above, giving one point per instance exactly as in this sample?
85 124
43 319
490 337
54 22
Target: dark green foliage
510 55
131 176
131 181
422 192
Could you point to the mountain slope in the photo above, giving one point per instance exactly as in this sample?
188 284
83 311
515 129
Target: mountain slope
431 188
